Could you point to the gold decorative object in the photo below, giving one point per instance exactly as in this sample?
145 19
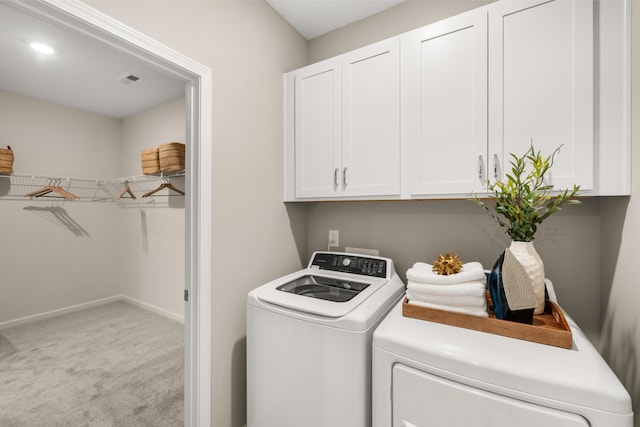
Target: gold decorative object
447 264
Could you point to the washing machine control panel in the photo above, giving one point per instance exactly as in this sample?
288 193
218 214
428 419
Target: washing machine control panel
347 263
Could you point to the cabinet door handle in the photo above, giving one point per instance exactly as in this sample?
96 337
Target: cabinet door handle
480 168
495 166
335 177
344 176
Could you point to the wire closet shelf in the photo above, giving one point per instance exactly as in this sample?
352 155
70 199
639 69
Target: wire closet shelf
134 191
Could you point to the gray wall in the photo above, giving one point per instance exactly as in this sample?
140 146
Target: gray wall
45 263
154 237
569 243
406 16
256 237
621 255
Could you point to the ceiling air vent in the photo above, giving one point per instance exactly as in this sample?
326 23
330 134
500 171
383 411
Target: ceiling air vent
129 79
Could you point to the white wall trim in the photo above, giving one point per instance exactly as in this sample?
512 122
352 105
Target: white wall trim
90 304
48 314
78 17
150 307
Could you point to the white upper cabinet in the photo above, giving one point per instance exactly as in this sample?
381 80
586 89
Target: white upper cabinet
318 132
346 126
612 137
437 111
444 104
371 121
541 86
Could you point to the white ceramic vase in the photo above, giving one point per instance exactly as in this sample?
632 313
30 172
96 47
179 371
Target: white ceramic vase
523 277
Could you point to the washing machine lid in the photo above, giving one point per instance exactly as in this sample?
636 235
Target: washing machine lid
508 366
325 288
324 294
333 285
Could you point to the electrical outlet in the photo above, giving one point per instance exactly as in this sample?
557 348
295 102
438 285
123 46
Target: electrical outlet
334 238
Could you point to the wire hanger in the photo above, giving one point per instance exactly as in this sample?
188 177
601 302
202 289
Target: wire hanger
127 190
162 186
53 189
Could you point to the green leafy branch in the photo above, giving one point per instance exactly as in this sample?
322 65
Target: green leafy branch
523 200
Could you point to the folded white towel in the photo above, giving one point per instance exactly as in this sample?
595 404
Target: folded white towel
480 312
464 301
460 289
422 272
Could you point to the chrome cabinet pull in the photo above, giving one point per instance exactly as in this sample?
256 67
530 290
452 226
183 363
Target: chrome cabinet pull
344 176
335 177
480 168
495 166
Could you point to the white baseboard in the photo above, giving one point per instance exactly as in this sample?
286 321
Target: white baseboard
65 310
158 310
95 303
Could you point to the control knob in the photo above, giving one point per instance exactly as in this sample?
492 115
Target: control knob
346 262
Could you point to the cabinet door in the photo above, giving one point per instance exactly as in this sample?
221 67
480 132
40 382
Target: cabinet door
541 85
445 105
318 133
371 120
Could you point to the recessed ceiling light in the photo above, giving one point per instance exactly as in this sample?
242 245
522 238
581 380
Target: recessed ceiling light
42 48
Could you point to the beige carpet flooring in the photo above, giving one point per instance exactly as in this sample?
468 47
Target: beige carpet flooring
112 365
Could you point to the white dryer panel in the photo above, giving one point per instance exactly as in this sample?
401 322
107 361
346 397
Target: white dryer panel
449 376
420 399
577 376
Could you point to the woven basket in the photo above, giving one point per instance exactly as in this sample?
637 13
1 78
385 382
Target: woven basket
150 161
171 157
6 160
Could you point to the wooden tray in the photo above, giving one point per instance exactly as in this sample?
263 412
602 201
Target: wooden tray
549 328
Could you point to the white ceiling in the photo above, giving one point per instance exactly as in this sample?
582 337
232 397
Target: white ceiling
82 74
313 18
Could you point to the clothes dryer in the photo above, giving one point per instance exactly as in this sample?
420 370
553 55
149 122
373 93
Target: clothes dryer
309 341
428 374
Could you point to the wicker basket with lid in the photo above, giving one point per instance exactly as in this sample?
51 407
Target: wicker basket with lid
171 156
6 160
150 161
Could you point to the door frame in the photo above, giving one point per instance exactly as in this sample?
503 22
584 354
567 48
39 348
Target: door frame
78 17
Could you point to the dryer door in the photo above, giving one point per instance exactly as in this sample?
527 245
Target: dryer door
424 400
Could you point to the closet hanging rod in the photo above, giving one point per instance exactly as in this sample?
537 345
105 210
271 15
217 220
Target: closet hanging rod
135 178
141 178
49 177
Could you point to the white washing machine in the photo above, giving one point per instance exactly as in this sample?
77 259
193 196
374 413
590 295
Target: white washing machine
309 341
435 375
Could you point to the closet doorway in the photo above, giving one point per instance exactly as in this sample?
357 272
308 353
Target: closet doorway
89 24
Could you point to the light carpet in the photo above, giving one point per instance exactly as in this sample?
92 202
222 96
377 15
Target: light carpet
112 365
